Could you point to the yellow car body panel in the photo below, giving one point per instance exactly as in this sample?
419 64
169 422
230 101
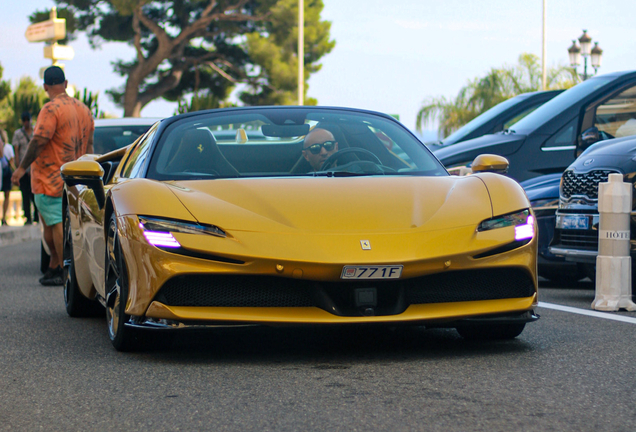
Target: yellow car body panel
287 240
499 188
424 241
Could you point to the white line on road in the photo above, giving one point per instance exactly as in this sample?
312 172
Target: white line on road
588 312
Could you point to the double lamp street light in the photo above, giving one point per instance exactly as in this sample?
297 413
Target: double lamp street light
586 51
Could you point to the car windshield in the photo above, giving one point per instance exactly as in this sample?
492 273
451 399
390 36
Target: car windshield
555 106
480 120
266 142
109 138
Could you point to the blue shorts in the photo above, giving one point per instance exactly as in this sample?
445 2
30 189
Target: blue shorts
50 208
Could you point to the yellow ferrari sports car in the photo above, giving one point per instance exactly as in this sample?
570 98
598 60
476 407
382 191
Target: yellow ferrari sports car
294 216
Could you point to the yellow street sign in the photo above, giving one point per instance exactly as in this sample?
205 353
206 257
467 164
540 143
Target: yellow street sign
49 30
58 52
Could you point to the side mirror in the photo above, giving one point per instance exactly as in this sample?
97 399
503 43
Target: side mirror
87 173
490 163
589 137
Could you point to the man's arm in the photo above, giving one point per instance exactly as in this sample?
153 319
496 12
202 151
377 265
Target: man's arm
34 149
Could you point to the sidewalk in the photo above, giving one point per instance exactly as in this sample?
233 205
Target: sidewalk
15 234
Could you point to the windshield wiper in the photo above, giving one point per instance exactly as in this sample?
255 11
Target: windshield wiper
343 174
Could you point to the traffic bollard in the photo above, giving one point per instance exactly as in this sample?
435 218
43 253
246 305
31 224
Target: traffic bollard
613 263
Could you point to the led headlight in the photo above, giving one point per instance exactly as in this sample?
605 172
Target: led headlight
523 222
158 231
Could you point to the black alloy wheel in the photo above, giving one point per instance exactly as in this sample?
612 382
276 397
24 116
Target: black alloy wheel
122 337
77 305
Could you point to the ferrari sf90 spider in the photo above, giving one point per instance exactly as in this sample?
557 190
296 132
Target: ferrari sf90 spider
294 216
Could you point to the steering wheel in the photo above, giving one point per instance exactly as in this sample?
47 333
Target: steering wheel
331 160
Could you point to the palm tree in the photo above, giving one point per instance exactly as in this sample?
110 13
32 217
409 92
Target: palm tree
481 94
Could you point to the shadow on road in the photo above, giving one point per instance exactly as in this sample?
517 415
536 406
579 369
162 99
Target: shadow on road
326 348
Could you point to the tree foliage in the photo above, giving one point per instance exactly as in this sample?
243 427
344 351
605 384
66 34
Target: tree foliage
26 96
200 47
90 99
200 102
275 53
481 94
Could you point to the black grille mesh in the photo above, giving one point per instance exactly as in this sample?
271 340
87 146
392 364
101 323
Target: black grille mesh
580 239
469 286
263 291
585 184
235 291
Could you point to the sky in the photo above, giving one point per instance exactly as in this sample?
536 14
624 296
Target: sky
389 55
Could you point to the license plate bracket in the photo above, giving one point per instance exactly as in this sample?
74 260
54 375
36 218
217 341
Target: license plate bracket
577 222
371 272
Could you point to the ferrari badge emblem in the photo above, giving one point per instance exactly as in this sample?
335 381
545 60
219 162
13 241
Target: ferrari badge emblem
366 244
200 148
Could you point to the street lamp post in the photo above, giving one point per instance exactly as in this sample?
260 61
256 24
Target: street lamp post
585 50
596 57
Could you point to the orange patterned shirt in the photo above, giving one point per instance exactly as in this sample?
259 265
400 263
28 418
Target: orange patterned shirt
68 124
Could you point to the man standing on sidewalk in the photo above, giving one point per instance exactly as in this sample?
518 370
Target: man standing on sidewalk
64 132
21 139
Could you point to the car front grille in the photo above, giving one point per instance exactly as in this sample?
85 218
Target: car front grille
393 296
585 184
579 239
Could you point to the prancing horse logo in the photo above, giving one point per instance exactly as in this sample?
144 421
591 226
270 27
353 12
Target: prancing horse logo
366 244
200 148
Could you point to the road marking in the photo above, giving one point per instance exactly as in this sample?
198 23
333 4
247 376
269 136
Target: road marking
588 312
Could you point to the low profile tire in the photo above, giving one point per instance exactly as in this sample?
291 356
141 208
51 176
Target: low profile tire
564 278
77 305
123 338
491 331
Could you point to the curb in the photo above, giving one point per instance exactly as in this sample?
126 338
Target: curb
12 235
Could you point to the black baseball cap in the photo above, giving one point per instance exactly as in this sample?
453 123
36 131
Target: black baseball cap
54 75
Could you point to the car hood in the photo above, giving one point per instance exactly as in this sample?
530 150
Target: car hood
500 143
336 205
618 146
542 187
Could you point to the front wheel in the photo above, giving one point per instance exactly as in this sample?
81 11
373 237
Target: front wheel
116 276
491 331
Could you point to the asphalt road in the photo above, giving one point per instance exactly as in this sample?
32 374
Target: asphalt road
567 372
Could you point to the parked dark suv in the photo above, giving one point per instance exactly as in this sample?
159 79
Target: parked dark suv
548 139
576 230
499 117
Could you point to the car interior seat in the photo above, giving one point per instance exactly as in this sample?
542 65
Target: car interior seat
199 153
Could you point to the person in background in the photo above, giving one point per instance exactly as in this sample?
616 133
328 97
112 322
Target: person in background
7 169
64 132
21 138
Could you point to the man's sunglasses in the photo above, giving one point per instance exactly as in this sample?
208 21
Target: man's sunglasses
315 148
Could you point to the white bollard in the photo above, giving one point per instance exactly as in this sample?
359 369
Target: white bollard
613 263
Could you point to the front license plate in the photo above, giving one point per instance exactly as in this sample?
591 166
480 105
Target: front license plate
575 222
371 272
